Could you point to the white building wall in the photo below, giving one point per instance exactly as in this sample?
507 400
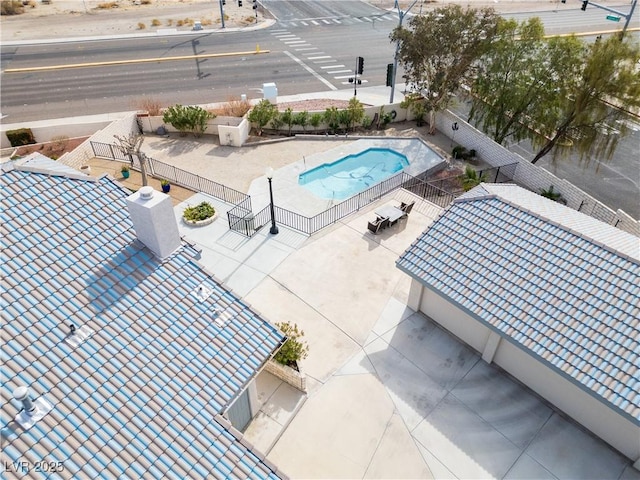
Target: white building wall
618 431
453 319
613 428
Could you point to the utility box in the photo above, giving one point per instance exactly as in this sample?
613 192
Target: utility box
270 92
197 25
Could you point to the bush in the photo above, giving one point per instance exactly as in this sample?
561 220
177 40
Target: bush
199 212
294 348
150 105
262 114
141 26
11 7
187 119
20 136
155 22
235 107
107 5
459 152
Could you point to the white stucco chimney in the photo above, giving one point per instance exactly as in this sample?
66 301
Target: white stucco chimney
154 221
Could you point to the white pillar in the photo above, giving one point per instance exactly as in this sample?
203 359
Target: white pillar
491 347
415 295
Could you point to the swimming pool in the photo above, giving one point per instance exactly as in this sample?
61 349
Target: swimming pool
352 174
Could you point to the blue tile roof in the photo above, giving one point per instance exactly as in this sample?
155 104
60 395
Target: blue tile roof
570 301
143 395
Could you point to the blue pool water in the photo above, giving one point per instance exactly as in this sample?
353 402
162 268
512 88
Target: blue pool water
352 174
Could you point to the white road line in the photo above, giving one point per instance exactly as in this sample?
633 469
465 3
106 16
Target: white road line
302 45
327 22
336 20
337 71
332 66
293 24
324 61
318 58
314 22
284 35
356 19
343 76
303 49
311 71
292 42
347 83
305 24
367 19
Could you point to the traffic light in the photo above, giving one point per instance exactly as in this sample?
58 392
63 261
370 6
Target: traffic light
389 75
239 3
360 68
584 5
563 1
224 2
255 4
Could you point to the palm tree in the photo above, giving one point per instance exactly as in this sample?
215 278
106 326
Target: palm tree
471 178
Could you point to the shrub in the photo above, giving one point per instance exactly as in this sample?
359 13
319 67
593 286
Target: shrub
206 22
302 119
235 107
355 113
124 168
59 143
145 2
332 118
262 114
471 179
20 136
155 22
552 195
149 104
141 26
459 152
190 118
164 182
294 348
11 7
107 5
286 118
199 212
169 22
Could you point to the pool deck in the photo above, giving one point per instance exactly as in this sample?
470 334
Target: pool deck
293 196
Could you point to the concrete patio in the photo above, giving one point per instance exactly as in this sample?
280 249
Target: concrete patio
391 395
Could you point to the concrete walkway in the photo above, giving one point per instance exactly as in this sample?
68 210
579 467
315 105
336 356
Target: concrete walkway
391 395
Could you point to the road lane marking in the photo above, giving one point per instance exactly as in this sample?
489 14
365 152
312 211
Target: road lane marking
129 62
311 71
332 66
318 58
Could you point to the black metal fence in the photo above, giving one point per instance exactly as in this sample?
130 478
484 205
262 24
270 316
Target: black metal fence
242 219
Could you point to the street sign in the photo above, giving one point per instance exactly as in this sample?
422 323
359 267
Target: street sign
613 18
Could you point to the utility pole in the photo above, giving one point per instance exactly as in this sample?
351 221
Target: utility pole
222 2
401 16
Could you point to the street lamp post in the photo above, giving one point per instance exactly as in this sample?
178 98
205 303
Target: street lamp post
274 228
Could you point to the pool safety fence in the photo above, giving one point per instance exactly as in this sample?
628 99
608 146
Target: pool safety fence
242 219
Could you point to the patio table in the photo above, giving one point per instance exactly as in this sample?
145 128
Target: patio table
390 212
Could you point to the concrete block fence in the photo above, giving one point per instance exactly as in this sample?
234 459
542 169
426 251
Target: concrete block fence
83 153
531 176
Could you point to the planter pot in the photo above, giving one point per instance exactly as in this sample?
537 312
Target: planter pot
125 174
295 378
201 223
166 188
86 169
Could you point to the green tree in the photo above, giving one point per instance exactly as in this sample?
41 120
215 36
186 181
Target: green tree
262 114
287 118
332 119
608 75
439 52
355 113
302 119
509 89
294 348
316 119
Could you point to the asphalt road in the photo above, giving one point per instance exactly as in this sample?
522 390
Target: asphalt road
312 48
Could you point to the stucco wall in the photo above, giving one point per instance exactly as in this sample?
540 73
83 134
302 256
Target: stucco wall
615 429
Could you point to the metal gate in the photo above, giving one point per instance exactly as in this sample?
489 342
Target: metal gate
240 412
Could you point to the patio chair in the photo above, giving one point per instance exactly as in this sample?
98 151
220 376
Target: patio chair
384 224
406 208
375 227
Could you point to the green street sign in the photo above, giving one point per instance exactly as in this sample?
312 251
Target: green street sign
613 18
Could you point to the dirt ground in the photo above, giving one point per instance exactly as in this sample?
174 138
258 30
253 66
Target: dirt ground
79 18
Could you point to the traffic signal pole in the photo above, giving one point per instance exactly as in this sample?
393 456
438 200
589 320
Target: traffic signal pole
627 16
401 16
221 14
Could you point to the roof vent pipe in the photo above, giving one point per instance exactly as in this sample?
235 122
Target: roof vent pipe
22 395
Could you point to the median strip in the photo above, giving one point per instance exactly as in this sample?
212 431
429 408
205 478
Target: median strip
257 51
